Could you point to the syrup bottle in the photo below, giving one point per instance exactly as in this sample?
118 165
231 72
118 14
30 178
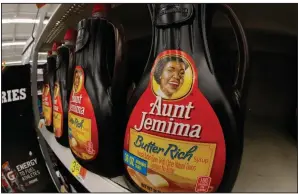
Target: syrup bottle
97 100
181 134
48 87
63 83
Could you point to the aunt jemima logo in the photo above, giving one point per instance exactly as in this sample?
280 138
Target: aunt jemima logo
172 80
56 93
46 90
56 90
46 95
78 80
76 97
172 76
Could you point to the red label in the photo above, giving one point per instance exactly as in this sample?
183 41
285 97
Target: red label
58 112
173 136
83 132
47 104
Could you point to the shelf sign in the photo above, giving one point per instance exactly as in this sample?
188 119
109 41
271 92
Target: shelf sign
77 170
25 171
40 124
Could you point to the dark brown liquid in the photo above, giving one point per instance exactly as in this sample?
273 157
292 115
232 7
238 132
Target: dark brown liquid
63 71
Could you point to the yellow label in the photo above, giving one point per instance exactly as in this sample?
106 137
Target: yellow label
57 124
181 162
75 168
47 113
80 134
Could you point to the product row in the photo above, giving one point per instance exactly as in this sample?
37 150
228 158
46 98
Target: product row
175 129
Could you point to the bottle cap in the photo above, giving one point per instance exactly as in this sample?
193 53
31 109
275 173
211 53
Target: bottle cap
99 7
55 46
49 53
70 34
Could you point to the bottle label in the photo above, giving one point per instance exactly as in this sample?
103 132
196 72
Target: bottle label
58 111
47 105
174 141
83 134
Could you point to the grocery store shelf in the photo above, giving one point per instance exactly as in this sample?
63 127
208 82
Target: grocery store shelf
92 182
67 15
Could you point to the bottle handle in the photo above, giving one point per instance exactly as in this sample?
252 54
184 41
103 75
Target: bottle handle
151 9
243 53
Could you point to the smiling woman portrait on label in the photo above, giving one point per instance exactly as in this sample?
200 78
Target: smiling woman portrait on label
46 90
77 83
173 77
56 90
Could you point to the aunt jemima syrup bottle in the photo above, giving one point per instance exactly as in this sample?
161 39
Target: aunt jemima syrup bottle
63 85
94 139
48 87
181 135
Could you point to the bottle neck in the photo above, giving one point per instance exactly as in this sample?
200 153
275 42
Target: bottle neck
183 37
54 53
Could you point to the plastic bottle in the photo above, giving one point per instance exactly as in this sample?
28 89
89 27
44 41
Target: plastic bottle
97 101
181 134
48 87
63 84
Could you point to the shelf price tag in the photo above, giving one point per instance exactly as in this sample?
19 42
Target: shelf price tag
40 124
77 170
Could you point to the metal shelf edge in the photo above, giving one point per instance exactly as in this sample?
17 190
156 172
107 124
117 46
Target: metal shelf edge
60 10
